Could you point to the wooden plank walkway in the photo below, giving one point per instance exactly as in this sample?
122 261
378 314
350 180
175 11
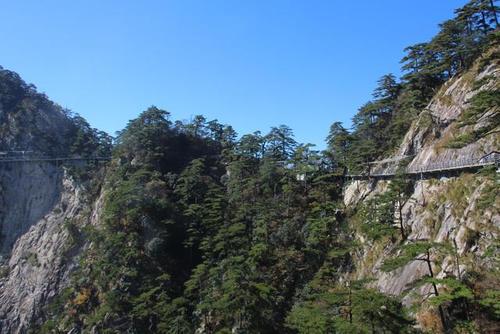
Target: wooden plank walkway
51 159
390 172
433 168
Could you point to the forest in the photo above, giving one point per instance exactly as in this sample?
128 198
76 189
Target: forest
207 231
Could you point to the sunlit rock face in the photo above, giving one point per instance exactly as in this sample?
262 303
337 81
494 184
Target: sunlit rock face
37 200
435 211
37 264
30 125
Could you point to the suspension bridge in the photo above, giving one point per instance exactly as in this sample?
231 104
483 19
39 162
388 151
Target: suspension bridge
429 169
12 159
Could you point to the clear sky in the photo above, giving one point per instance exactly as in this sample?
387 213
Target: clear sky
252 64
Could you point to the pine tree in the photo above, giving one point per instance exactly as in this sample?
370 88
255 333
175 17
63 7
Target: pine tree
339 142
422 251
280 143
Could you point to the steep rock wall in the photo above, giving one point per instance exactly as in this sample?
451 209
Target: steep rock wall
42 206
43 257
28 192
442 208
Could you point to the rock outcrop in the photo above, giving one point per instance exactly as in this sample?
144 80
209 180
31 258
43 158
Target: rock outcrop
43 257
444 208
29 192
42 206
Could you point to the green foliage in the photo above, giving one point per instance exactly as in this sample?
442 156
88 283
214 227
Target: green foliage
491 300
88 141
490 194
380 124
4 271
452 290
339 141
463 302
197 229
376 216
415 250
32 259
461 140
407 253
21 105
311 317
480 104
280 143
352 309
201 230
482 82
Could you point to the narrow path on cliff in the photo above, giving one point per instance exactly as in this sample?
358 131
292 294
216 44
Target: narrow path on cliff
435 169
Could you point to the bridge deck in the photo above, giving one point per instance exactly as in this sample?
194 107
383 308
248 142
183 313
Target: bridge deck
442 168
53 159
436 168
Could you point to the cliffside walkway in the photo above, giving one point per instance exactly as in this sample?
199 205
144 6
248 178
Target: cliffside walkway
432 169
442 168
27 159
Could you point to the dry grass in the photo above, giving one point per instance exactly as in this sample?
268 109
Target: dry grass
429 321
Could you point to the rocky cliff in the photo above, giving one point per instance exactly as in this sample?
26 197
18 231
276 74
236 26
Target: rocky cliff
42 204
41 259
461 210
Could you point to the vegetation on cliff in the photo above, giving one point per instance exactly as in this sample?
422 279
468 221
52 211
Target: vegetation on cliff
204 231
380 124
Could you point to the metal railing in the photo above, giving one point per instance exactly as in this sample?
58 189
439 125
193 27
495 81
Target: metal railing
390 171
432 168
462 163
20 159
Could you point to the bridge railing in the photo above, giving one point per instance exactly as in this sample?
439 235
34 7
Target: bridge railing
455 164
40 158
462 163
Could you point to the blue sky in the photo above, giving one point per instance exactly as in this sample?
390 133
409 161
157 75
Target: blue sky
252 64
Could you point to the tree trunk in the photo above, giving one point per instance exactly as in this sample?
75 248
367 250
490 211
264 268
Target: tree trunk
350 304
483 23
401 226
436 292
494 12
457 259
423 193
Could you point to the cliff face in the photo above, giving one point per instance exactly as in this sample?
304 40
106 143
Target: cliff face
29 192
445 208
42 258
41 206
32 124
44 206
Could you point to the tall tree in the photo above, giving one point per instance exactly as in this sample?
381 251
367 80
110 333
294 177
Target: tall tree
338 142
280 142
